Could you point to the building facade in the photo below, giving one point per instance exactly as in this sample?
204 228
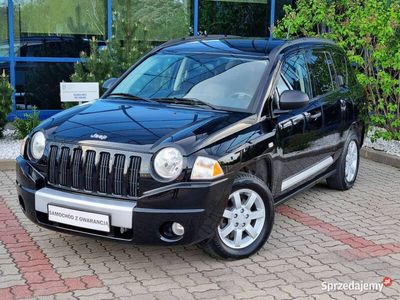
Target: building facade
40 40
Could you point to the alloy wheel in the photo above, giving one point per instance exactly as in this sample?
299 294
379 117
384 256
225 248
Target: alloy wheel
351 161
243 219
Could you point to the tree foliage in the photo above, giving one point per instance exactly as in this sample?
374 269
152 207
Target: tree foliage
369 31
6 91
25 125
136 23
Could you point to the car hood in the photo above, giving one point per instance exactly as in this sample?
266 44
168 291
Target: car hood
146 126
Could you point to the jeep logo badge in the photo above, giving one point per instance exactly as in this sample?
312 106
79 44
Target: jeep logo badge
98 136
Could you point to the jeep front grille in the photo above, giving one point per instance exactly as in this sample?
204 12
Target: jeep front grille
94 171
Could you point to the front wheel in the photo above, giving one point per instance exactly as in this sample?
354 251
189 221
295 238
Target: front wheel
347 165
246 222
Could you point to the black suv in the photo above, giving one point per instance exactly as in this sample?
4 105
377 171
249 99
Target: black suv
196 143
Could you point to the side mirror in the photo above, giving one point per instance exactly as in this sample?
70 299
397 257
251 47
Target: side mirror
293 99
109 83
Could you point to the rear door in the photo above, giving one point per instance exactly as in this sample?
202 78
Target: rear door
346 94
325 89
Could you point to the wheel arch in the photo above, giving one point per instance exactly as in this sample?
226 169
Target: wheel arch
260 168
359 128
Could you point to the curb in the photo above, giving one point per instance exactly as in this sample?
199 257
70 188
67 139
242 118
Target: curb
380 157
7 165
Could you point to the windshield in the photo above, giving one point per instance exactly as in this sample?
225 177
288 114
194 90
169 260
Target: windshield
225 82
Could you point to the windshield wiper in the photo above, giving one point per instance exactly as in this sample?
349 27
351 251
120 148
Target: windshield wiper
130 96
184 101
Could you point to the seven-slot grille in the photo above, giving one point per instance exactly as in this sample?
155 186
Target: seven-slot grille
93 171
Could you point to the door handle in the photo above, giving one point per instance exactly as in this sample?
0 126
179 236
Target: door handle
312 117
343 104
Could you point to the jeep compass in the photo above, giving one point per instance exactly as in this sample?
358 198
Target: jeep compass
197 143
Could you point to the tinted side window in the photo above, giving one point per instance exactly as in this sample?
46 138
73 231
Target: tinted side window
294 75
320 73
340 61
352 78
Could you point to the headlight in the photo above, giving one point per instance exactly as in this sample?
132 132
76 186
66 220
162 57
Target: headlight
38 142
206 168
168 163
22 146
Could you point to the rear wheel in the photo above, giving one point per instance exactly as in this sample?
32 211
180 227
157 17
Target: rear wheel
246 222
347 166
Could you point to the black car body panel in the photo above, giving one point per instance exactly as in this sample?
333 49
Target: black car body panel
141 125
280 147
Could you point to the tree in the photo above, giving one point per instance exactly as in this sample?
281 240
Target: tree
136 26
115 57
369 32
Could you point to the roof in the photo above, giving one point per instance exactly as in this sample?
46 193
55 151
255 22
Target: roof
233 45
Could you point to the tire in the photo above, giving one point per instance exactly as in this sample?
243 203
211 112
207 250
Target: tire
241 218
342 180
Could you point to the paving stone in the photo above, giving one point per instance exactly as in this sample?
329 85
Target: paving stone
319 235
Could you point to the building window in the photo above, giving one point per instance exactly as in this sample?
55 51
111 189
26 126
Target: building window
4 66
49 34
163 19
238 17
3 29
57 28
38 84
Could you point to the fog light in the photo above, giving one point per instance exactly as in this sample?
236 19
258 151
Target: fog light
177 229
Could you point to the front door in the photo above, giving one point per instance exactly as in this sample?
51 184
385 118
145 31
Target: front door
297 131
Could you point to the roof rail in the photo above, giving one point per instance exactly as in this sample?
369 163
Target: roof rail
299 41
195 38
309 40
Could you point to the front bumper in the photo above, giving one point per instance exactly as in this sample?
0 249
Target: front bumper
198 206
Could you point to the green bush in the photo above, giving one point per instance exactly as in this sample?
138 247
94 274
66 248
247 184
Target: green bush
6 91
369 31
24 126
